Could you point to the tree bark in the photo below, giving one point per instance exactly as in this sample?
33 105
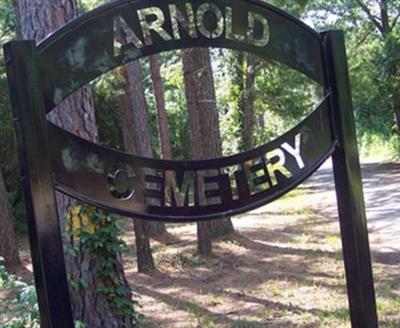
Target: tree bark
8 242
136 133
204 245
238 94
385 17
158 229
76 114
249 114
244 75
163 125
204 130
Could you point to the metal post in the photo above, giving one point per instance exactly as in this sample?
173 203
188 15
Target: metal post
350 199
37 184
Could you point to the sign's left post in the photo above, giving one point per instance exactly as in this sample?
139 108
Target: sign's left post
37 184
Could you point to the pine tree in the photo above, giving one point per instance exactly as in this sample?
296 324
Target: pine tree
204 129
136 133
37 19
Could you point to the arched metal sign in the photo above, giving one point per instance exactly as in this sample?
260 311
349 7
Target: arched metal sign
41 76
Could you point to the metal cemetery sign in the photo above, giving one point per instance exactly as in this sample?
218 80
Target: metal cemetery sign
232 184
41 76
130 30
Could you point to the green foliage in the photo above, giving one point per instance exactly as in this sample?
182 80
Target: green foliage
7 20
237 63
86 5
108 87
96 232
108 111
174 90
374 63
21 310
284 95
295 7
282 98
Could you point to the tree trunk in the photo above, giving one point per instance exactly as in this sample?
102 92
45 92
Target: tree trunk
39 18
249 114
238 94
163 125
244 75
136 133
158 229
8 242
154 229
204 245
204 129
144 256
163 134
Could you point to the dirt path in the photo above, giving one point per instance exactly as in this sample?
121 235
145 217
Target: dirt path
382 198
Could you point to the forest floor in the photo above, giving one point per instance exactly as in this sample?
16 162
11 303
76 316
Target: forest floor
282 268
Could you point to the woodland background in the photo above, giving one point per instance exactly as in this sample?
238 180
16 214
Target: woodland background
156 108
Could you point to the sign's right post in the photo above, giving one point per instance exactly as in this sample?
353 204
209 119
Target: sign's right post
349 191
